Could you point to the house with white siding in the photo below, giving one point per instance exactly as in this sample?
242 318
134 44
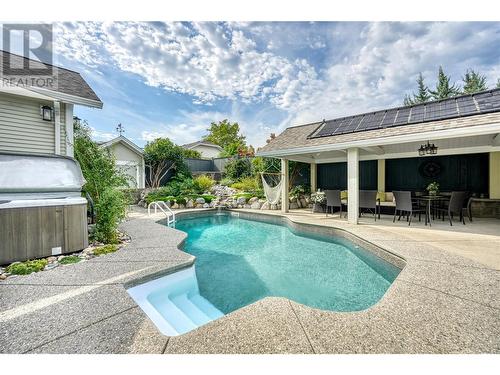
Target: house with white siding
37 120
129 158
208 150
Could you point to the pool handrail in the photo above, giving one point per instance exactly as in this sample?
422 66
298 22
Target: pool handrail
170 215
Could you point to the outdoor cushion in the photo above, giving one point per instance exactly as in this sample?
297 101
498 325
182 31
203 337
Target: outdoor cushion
381 196
343 194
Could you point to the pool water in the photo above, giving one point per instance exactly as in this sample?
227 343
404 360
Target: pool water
240 261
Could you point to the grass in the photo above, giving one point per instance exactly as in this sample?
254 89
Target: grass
106 249
27 267
70 259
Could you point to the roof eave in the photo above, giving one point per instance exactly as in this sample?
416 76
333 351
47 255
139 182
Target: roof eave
68 98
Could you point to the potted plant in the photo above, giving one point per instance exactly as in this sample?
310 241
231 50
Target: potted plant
318 198
433 188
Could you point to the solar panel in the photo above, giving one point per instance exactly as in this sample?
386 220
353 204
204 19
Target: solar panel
402 117
389 118
417 114
466 105
372 121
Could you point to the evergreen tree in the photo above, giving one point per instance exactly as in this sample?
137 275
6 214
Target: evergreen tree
422 95
474 82
443 87
408 100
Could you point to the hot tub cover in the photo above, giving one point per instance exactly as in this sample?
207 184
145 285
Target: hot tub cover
39 176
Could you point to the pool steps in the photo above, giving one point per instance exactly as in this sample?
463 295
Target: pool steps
174 303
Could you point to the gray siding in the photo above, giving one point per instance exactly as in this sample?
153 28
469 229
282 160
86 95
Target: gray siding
22 128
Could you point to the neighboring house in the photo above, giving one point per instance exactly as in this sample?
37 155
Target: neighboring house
38 120
129 158
208 150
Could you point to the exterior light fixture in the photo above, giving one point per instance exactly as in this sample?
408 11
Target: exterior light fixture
46 113
427 149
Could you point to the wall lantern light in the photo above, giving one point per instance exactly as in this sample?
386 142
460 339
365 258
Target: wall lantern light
46 112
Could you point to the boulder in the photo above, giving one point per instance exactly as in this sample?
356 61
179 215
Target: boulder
241 200
303 203
175 206
293 206
199 205
253 199
206 205
274 207
200 200
255 205
190 204
265 206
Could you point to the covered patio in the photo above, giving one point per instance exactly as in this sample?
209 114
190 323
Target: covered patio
379 151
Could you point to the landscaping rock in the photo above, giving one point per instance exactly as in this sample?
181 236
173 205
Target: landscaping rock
175 206
247 206
294 206
200 200
255 205
265 206
50 266
241 200
274 207
199 205
52 259
303 203
3 276
206 205
190 204
253 199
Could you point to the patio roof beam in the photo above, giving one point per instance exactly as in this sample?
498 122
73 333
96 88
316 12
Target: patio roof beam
496 140
377 150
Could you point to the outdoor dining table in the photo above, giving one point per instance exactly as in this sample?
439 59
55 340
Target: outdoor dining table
428 199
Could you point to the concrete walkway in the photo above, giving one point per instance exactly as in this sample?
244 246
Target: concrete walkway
441 302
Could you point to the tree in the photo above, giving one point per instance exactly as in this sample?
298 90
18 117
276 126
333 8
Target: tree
162 156
443 87
224 134
473 82
498 83
422 95
191 154
102 182
97 164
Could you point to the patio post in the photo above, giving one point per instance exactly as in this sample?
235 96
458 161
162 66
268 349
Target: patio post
284 186
313 177
352 185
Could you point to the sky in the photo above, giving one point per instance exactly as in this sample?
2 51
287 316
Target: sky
174 79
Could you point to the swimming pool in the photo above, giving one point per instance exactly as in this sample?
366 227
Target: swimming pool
239 261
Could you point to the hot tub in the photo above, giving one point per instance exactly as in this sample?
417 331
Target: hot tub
42 212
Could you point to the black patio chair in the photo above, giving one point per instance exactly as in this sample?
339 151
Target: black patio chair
333 200
455 206
368 201
404 204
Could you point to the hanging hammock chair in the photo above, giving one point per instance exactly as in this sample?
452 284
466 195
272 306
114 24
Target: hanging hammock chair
272 193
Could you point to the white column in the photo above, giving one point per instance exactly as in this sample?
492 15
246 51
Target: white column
70 151
314 180
57 128
284 186
353 185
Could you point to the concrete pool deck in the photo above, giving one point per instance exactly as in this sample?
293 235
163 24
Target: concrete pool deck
446 299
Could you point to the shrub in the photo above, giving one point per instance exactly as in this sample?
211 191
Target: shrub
208 197
226 181
70 259
181 200
249 184
203 183
106 249
246 195
238 168
25 268
110 209
299 190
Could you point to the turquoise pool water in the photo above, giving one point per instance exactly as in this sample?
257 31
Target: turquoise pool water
240 261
